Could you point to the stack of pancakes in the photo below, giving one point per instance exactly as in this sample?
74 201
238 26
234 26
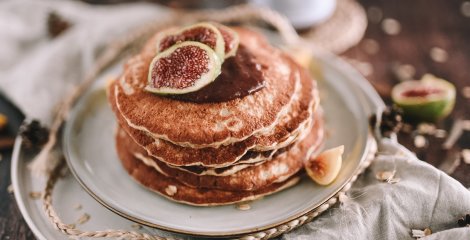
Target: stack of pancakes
220 152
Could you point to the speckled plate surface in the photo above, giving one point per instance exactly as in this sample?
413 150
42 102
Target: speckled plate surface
88 141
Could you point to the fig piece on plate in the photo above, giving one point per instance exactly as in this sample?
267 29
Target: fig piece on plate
428 99
324 168
205 33
231 39
183 68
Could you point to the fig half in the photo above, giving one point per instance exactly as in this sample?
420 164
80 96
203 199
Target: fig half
184 67
428 99
205 33
324 168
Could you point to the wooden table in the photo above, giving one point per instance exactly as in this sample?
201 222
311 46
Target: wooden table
424 24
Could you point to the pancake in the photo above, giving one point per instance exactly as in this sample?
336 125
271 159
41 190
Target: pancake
282 135
198 125
251 178
176 191
259 158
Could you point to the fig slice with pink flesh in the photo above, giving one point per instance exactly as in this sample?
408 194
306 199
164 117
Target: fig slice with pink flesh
205 33
184 67
429 99
324 168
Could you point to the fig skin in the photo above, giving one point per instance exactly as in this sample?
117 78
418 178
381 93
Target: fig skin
231 39
324 168
430 108
175 35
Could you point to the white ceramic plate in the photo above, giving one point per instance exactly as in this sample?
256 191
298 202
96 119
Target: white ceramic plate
347 98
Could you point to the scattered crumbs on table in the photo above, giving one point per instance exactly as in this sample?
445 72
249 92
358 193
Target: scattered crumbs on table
243 206
35 195
136 226
438 55
465 9
365 68
404 72
420 141
451 162
83 219
466 92
427 232
385 176
440 133
427 128
455 132
391 26
10 189
370 46
466 155
77 206
417 233
374 14
7 142
466 125
407 128
394 180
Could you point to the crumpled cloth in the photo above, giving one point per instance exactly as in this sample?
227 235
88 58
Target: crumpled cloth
37 71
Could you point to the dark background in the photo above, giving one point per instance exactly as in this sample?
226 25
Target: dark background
424 24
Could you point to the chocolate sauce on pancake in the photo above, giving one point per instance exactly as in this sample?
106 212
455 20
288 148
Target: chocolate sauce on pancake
240 76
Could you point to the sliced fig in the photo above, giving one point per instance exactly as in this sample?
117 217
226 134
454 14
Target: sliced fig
231 39
428 99
205 33
325 167
183 68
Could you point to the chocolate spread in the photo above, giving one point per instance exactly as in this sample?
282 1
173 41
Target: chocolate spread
240 76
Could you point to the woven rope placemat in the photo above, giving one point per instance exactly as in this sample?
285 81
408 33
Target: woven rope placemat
241 13
344 29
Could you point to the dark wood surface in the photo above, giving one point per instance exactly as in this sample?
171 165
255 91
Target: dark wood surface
424 24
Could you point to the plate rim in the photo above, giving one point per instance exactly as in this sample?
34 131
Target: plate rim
326 58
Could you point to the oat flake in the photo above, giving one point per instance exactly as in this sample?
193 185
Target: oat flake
385 175
419 141
35 195
438 55
465 9
370 46
83 219
440 133
466 155
10 189
374 14
243 207
391 26
466 92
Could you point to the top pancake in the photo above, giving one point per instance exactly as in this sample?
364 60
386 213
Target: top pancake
198 125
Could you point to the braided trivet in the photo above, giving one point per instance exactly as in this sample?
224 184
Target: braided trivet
343 30
237 13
